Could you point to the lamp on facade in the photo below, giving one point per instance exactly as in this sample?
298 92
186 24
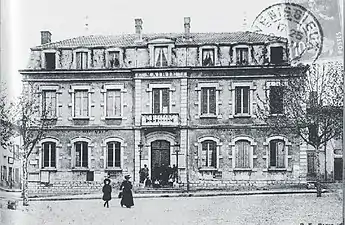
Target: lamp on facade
177 150
140 145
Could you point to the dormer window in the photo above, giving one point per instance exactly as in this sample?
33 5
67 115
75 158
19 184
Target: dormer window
114 59
82 60
50 60
161 56
241 56
277 55
208 57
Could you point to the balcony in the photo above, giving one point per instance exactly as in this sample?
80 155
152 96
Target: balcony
166 119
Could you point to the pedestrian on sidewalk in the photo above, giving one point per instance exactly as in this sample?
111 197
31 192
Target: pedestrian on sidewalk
127 197
106 192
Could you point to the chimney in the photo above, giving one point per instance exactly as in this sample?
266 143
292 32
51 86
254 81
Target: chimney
46 37
187 26
139 29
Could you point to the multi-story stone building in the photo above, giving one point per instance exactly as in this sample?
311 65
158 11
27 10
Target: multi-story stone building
120 102
11 164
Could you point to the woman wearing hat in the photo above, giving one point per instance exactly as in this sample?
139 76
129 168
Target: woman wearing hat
127 197
106 192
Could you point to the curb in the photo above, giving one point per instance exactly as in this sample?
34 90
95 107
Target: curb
10 190
67 198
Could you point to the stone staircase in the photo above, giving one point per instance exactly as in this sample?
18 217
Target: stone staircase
158 190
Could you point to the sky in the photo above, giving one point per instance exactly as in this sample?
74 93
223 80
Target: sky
22 21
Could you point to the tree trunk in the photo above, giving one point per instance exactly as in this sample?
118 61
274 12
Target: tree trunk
318 173
25 194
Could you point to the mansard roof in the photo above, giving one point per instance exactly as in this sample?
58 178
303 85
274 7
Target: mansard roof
129 40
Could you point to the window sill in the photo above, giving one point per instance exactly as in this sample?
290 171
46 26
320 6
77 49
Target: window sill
243 169
208 116
242 116
80 169
276 169
276 114
113 118
113 169
208 169
81 118
49 169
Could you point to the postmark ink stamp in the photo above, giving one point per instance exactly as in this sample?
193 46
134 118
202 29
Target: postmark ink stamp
297 24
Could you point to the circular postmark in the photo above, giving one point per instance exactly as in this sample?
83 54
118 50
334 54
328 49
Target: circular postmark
297 24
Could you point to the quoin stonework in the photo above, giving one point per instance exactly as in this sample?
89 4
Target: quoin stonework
119 102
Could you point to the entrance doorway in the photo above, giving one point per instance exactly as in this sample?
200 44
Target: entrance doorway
160 157
338 169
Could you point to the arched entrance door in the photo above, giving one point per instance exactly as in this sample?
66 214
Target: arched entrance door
160 156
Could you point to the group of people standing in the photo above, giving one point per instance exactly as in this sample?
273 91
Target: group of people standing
125 192
161 176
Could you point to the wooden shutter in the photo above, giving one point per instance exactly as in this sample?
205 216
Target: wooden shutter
204 100
165 100
245 97
53 154
117 154
85 154
212 101
238 101
85 103
110 154
156 100
242 154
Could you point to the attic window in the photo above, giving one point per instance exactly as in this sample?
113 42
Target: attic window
241 56
161 56
114 59
208 57
50 61
276 55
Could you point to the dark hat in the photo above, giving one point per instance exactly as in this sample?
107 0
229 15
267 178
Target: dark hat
106 180
127 176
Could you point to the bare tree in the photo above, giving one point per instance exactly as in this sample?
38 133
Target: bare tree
33 123
312 107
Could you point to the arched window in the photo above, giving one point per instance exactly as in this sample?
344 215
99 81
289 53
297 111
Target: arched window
81 154
277 153
113 154
49 154
242 153
209 153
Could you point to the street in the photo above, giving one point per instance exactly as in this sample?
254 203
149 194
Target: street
254 209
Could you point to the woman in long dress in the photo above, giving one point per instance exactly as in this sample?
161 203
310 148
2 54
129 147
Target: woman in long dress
127 197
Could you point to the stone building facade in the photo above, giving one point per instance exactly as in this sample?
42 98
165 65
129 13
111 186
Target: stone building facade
120 102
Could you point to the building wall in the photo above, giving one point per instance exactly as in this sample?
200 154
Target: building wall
10 160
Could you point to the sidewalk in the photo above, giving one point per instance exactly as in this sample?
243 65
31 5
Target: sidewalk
9 189
185 194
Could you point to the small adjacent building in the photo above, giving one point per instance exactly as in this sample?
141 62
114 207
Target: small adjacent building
185 99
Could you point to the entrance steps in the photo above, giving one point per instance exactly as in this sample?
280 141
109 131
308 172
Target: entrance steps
158 190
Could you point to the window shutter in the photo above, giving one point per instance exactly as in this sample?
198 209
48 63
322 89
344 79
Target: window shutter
280 154
204 100
238 102
117 99
85 104
110 155
212 103
245 99
53 155
85 154
117 154
165 100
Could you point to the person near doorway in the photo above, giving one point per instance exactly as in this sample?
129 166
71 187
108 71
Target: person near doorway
174 173
144 174
127 196
106 192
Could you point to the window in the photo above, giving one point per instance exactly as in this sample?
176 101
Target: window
81 103
276 100
49 103
209 153
113 103
242 100
277 55
311 162
208 100
81 154
208 57
82 60
49 154
241 56
161 56
114 59
50 61
4 173
242 153
161 100
113 154
277 154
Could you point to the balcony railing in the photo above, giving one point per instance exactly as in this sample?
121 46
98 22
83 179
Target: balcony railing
166 119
